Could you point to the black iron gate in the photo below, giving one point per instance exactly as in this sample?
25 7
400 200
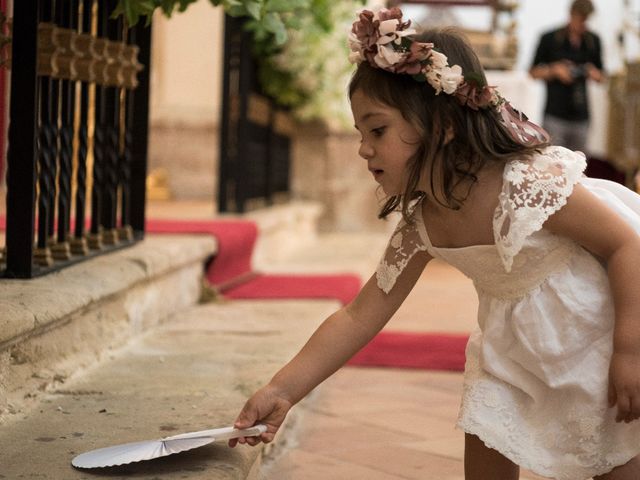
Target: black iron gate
77 133
255 134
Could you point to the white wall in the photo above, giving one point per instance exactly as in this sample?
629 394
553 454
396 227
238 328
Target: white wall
186 85
537 16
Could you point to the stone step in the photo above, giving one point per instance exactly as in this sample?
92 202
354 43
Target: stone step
53 325
192 373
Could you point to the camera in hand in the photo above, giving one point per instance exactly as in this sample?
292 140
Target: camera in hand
578 72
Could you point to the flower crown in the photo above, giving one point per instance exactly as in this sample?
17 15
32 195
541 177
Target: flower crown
383 40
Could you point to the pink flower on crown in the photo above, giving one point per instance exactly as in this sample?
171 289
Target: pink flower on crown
376 37
474 96
391 14
418 53
366 29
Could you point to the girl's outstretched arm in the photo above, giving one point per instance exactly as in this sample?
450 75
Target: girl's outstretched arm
337 339
591 223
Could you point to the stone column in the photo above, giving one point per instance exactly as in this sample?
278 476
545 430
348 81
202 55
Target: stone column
326 167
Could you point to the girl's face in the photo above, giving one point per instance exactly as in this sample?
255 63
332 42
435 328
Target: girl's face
388 141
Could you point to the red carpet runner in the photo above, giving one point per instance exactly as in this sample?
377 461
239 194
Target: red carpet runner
430 351
236 239
232 273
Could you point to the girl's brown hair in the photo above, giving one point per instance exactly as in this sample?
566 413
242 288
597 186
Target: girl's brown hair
479 136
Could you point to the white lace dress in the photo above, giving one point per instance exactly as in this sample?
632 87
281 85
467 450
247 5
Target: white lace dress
536 372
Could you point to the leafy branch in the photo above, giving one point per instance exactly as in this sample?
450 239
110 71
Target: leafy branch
299 45
267 19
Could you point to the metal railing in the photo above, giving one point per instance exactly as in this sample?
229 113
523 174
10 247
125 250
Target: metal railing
255 135
77 146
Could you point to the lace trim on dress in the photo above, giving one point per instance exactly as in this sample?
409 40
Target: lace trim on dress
532 191
584 441
404 244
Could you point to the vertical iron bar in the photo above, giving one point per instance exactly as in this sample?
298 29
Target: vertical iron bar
112 146
47 153
62 250
79 245
21 168
233 135
126 232
140 130
241 164
228 145
56 93
99 143
270 158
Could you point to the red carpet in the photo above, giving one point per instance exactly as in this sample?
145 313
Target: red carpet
236 239
414 350
231 269
342 287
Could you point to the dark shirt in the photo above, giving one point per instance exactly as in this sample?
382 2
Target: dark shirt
568 102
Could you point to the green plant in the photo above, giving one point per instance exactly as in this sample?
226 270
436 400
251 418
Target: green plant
300 46
267 19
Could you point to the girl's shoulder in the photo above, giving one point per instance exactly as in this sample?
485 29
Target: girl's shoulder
533 189
553 160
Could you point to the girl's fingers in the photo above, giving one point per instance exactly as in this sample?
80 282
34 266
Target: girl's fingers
253 441
612 395
624 404
634 409
246 418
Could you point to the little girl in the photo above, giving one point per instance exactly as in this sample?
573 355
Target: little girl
552 378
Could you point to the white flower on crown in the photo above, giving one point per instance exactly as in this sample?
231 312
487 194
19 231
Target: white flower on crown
451 78
438 60
387 56
433 77
387 27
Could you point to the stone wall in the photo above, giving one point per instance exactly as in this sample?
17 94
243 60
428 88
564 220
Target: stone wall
327 168
53 326
189 156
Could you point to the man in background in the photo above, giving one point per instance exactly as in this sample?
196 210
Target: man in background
565 59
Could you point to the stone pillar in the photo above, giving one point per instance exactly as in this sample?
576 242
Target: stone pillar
326 167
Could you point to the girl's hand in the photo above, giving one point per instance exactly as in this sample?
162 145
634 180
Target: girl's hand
267 406
624 385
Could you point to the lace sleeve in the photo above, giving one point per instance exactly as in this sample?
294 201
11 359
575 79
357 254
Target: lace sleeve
532 191
404 244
